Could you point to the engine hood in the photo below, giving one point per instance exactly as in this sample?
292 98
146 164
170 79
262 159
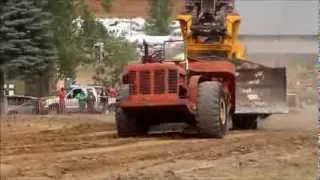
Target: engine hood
155 66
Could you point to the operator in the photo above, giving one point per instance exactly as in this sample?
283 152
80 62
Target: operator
145 58
103 96
226 5
205 17
189 6
91 100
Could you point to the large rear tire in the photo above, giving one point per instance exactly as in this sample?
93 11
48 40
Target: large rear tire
212 114
129 126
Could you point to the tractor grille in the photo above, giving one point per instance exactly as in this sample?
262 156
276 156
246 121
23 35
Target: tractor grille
153 82
133 82
173 81
145 82
159 82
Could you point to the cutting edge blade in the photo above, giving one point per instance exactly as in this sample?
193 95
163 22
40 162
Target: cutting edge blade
260 89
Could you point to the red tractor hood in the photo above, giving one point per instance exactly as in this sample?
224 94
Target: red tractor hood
207 66
154 66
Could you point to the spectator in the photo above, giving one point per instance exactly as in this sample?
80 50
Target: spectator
91 99
103 99
62 102
82 98
112 94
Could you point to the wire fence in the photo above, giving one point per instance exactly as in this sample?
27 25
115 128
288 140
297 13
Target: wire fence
40 106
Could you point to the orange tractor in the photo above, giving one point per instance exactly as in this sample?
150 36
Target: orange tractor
203 80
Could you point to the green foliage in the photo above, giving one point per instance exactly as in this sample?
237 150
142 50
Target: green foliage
5 45
114 59
25 44
69 52
73 46
106 4
159 18
118 53
26 41
91 33
76 47
39 36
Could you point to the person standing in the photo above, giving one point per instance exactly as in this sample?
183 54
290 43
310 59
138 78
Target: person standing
112 94
62 101
91 100
82 99
103 99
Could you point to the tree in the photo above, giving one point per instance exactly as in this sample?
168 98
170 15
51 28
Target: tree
41 33
159 17
106 4
69 54
91 33
73 47
3 59
118 53
25 40
76 47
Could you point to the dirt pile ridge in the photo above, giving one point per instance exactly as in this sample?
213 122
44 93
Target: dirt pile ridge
85 147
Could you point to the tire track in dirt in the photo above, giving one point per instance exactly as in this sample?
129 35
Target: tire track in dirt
92 149
160 151
87 134
235 144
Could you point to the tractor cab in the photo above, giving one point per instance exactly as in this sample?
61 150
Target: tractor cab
169 51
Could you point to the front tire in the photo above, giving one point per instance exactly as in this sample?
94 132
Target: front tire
212 115
128 126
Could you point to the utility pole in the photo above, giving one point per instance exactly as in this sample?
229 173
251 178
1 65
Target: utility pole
100 45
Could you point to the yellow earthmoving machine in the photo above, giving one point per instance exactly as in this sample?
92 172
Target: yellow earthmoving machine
210 87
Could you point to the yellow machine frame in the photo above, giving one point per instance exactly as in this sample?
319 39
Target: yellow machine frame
229 44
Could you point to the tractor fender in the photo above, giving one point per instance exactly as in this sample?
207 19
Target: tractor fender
193 88
197 79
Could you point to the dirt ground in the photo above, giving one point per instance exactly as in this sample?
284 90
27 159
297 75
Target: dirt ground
87 147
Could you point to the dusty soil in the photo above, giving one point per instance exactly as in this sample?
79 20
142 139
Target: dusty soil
87 147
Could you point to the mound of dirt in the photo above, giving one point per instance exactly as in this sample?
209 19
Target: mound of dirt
87 148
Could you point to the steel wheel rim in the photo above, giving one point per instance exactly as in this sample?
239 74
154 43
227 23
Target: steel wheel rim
222 112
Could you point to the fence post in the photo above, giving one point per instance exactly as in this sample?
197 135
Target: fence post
39 109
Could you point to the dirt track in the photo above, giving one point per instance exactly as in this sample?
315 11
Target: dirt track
85 147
